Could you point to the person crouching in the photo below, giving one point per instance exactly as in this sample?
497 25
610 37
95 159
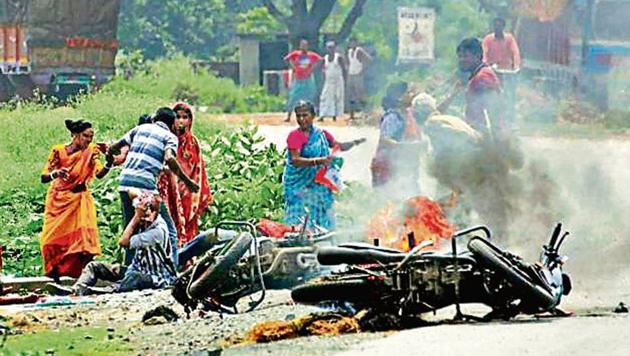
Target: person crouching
151 266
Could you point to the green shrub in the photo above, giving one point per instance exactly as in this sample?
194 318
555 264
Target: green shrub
617 119
244 176
173 78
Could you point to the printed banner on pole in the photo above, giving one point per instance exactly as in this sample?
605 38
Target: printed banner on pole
415 35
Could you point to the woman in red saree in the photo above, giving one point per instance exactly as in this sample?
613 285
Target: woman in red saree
69 237
185 206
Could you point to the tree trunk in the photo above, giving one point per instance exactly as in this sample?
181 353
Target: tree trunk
305 23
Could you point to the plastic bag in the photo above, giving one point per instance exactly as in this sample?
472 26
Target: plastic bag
273 229
330 175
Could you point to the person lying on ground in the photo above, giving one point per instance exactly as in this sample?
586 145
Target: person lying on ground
151 267
69 238
151 146
309 150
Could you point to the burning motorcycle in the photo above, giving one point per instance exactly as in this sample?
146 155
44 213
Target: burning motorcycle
421 281
244 263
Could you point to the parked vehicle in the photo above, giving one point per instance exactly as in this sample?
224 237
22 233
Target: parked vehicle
247 263
422 281
59 47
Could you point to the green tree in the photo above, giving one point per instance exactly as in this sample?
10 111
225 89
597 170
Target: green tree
199 28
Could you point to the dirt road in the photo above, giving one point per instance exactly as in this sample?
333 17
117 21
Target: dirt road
590 188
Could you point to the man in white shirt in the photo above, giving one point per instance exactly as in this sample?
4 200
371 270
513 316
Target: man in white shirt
358 58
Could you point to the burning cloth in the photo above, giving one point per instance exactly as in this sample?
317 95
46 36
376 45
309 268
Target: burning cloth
402 228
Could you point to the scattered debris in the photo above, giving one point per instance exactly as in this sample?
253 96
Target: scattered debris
161 311
621 308
156 320
330 324
19 299
26 322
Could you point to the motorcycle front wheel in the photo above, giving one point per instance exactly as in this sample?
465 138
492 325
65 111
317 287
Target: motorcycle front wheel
531 293
220 269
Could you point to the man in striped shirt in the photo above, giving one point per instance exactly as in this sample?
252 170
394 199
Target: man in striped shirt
151 266
150 148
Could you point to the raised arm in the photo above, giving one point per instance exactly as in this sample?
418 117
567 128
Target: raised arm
345 146
364 57
130 228
455 90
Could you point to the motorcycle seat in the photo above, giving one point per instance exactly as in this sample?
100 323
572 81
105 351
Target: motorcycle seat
340 255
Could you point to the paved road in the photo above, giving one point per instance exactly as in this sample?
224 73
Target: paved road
601 335
590 193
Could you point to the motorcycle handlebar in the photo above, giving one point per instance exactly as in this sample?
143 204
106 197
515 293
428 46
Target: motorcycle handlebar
467 231
554 236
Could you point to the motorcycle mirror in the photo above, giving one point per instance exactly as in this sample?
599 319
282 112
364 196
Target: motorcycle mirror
561 240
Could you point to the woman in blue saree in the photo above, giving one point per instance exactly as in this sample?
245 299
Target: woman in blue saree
309 149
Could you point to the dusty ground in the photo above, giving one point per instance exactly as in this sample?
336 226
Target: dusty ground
590 183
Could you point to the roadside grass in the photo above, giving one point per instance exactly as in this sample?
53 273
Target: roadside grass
66 341
243 175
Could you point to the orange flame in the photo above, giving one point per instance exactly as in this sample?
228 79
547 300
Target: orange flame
421 216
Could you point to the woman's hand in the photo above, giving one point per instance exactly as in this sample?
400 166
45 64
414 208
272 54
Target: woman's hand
345 146
109 160
59 173
326 160
103 147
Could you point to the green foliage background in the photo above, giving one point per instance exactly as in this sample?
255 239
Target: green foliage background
207 28
244 174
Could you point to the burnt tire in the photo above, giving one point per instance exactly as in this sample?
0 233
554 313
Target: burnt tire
531 293
358 290
220 269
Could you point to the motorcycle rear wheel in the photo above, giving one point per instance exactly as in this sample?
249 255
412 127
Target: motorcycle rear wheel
530 292
220 269
358 290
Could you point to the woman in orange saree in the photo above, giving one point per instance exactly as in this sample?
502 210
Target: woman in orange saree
185 206
69 237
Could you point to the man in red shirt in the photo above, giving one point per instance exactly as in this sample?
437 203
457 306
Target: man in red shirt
500 51
500 48
303 87
482 89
